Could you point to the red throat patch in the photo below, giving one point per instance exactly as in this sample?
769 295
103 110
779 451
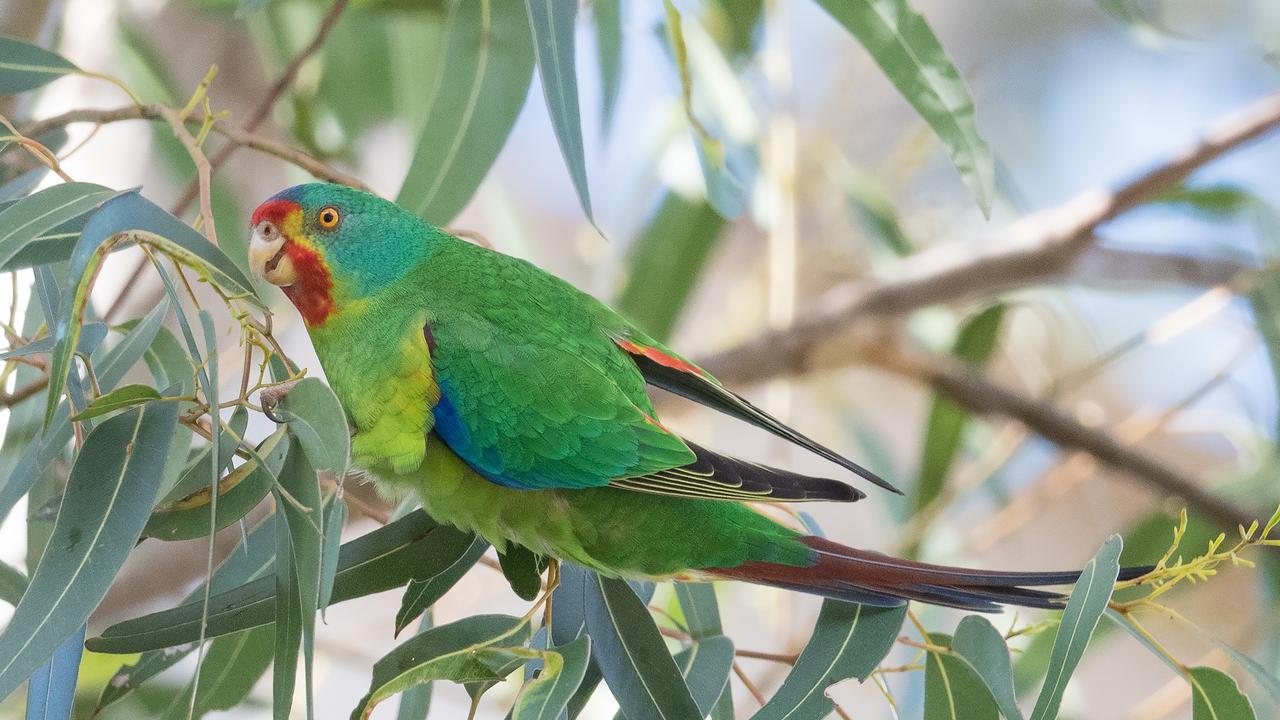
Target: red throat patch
312 293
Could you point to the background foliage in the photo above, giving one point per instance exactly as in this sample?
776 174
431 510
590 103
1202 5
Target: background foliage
880 217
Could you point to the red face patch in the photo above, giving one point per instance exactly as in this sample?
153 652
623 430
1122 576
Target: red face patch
312 292
273 210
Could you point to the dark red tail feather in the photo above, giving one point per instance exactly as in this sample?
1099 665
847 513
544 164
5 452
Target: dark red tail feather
871 578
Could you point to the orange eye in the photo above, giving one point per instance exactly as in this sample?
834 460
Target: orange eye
328 217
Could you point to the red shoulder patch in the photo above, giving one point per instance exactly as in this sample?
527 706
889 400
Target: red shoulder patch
660 357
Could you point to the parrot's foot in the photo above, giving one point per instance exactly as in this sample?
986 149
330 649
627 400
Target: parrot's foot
544 600
270 399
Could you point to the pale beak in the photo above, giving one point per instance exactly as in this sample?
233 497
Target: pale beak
267 257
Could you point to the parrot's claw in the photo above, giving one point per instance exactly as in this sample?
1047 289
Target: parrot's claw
270 399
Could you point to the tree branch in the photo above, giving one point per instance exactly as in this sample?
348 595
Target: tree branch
1038 247
969 389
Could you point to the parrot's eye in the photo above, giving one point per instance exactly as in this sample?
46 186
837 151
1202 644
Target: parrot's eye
328 217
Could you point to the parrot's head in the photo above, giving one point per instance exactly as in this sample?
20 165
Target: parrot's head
327 245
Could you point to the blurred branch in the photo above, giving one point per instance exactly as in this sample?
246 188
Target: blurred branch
1100 265
975 393
1040 246
235 137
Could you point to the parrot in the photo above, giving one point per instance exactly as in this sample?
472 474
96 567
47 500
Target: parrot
517 407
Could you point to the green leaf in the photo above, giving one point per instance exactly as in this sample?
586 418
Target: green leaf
415 702
546 697
230 669
317 419
848 641
1264 677
132 214
255 558
706 667
13 582
664 263
735 24
952 690
552 23
197 474
90 339
118 399
909 54
1215 696
523 570
631 654
383 559
288 620
1212 201
458 555
489 56
983 647
607 17
34 215
51 691
240 491
305 515
24 66
701 612
108 498
448 652
1088 601
335 518
974 344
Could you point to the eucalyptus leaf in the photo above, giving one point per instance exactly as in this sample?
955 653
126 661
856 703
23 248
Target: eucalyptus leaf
231 667
460 552
317 419
607 17
122 397
1088 601
32 216
1215 696
13 582
523 570
848 640
547 696
51 691
706 667
631 654
108 498
907 51
984 648
552 23
489 56
448 652
24 66
952 690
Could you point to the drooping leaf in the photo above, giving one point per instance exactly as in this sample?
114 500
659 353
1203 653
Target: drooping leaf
523 570
287 635
197 472
735 24
108 498
848 640
1264 677
489 56
631 654
982 646
664 263
947 421
569 622
460 553
415 702
1088 601
90 339
304 512
317 419
701 612
706 667
335 518
383 559
952 690
447 652
546 697
552 23
51 691
1215 696
24 66
118 399
240 491
904 46
607 17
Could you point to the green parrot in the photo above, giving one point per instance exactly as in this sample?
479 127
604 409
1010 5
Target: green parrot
515 406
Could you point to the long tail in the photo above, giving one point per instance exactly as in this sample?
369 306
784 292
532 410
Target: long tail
870 578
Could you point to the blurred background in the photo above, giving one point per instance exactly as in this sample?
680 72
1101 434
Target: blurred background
1143 339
